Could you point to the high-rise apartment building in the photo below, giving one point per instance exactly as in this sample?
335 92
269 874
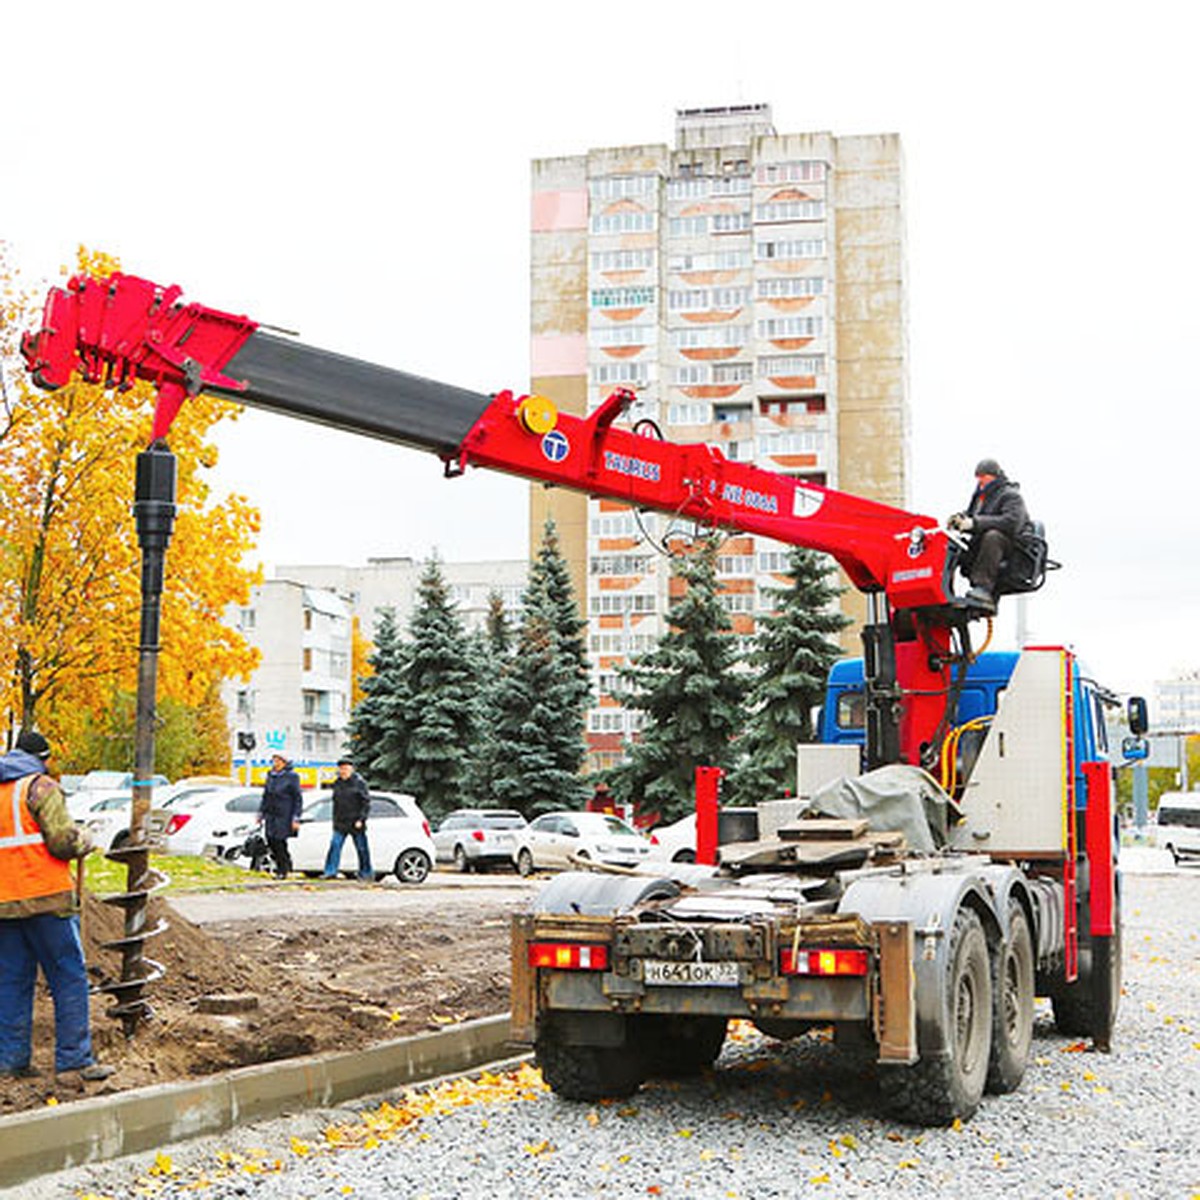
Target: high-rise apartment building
750 286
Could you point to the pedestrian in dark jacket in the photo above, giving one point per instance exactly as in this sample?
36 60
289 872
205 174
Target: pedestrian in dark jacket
39 919
279 812
995 518
351 804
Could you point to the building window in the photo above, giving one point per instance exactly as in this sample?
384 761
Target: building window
246 618
621 187
732 372
793 364
690 299
623 335
622 260
730 222
689 414
790 248
796 285
689 226
735 564
623 371
695 188
794 441
716 260
608 603
804 171
624 222
790 210
308 658
622 524
737 602
622 297
694 337
731 185
619 564
308 618
791 327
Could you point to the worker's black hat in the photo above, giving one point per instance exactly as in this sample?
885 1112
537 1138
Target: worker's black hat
988 466
32 742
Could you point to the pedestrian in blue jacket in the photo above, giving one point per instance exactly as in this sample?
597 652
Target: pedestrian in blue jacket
279 812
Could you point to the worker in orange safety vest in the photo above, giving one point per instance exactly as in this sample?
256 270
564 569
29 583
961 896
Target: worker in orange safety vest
39 921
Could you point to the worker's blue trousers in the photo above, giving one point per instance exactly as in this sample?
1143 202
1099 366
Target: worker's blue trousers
51 942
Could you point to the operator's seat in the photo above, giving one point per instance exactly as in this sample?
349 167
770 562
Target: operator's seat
1024 567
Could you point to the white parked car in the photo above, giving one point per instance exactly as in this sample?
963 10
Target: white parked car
397 834
199 818
475 838
677 842
107 820
559 840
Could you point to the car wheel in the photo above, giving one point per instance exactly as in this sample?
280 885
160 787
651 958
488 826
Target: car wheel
412 866
461 865
525 863
684 856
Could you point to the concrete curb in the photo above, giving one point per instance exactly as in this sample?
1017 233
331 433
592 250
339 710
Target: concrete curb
51 1139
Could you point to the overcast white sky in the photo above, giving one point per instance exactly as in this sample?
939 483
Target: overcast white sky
323 168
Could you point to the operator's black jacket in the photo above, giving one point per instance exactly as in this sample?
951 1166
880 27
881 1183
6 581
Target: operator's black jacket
351 803
999 506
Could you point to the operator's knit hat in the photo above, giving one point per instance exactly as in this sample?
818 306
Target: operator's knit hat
988 466
33 743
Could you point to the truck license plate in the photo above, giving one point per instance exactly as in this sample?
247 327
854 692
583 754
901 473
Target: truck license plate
691 974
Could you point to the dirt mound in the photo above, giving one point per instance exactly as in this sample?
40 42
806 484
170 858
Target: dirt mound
277 990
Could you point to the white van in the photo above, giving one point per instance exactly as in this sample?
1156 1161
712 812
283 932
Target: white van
1177 824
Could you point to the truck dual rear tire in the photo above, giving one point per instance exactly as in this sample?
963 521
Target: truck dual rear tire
588 1072
1012 1004
934 1091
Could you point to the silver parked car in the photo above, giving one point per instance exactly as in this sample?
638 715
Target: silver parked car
560 840
476 838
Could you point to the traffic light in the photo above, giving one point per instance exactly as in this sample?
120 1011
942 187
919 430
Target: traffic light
246 741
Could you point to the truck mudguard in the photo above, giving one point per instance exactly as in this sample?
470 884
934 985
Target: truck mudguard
929 901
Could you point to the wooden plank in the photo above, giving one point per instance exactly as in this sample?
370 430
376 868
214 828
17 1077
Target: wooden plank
824 829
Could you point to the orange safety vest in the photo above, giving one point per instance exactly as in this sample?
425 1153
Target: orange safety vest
27 868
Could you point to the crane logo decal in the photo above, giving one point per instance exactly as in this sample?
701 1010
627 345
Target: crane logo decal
555 446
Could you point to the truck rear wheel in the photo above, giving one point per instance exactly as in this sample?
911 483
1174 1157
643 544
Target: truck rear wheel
588 1072
676 1047
1012 1004
935 1091
1078 1011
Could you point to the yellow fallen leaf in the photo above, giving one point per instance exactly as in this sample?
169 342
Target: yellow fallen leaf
299 1147
819 1178
707 1155
849 1141
51 1101
542 1147
685 1133
593 1118
957 1125
162 1164
908 1163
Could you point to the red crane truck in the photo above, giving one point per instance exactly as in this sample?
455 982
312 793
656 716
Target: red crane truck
931 955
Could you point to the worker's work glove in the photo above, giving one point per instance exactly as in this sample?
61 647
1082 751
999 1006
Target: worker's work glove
961 523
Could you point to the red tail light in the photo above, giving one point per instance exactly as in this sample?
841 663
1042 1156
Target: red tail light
425 826
823 962
569 956
477 834
653 840
177 822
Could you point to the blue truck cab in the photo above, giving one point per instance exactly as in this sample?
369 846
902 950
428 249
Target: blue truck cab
843 711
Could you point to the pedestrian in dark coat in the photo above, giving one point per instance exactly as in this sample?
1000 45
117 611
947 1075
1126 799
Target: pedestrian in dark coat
351 804
279 812
996 516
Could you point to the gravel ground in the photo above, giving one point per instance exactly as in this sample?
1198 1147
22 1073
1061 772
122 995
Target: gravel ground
772 1121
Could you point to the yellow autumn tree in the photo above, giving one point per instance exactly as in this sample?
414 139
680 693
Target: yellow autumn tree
361 649
69 559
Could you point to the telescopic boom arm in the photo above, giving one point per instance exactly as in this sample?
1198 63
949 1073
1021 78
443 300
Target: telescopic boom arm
117 330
